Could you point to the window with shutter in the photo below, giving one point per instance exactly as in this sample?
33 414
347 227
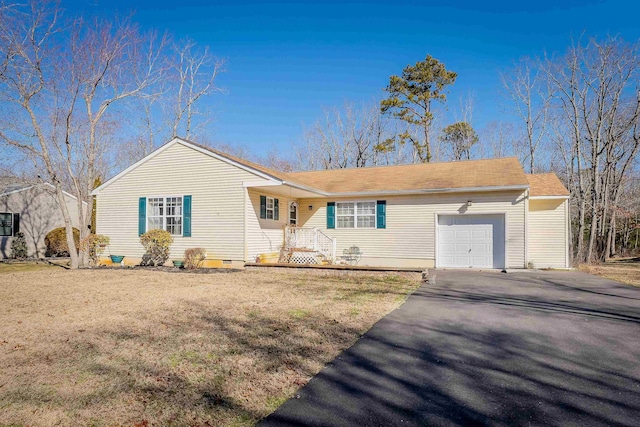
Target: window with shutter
269 208
164 213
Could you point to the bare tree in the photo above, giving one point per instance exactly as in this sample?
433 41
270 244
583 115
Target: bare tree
595 89
60 83
195 72
527 88
347 137
171 106
498 139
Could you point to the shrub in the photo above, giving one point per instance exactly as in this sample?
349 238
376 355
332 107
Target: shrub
94 245
194 258
56 241
156 244
19 246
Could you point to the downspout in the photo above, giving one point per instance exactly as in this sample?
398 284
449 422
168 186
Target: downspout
245 225
526 229
567 230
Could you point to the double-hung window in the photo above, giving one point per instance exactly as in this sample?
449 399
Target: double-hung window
356 214
6 224
165 213
270 207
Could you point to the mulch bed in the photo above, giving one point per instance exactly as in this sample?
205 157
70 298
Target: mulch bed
168 269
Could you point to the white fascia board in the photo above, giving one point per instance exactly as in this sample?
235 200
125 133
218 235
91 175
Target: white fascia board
274 182
251 184
8 193
305 188
170 144
31 186
548 197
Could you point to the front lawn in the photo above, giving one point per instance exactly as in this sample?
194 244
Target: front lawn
21 267
626 270
130 347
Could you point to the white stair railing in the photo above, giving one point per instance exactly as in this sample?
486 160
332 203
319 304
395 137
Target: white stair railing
311 239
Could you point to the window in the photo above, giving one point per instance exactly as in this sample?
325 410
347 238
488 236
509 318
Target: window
270 207
165 213
6 224
356 214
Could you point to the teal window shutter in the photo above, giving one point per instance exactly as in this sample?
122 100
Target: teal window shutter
142 216
16 223
276 209
381 214
263 207
186 218
331 215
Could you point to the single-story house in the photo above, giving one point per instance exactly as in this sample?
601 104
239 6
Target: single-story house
33 209
475 213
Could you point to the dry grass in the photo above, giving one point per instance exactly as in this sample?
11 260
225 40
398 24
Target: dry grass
20 267
110 347
625 270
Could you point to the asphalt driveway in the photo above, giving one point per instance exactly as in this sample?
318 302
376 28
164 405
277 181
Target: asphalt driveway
483 348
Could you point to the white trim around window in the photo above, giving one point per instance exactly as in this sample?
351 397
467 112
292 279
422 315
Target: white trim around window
356 214
166 213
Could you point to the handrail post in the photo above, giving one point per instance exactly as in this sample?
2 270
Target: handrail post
334 248
315 238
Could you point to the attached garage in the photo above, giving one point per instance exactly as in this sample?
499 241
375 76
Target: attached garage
471 241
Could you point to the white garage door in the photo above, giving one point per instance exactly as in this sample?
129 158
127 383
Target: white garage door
475 241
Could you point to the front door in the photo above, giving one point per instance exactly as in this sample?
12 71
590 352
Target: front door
293 213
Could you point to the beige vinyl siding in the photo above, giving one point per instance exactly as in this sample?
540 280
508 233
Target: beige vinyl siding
264 235
218 200
547 244
410 225
39 213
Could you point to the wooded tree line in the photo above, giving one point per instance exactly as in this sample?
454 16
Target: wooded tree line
578 114
82 98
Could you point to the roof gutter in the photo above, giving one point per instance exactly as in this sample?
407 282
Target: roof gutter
548 197
402 192
432 191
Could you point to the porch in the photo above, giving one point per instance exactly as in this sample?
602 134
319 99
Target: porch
307 245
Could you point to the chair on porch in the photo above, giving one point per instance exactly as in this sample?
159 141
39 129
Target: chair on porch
352 255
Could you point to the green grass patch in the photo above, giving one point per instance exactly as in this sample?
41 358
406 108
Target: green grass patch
23 267
299 313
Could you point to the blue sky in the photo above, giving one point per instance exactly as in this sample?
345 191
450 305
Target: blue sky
287 60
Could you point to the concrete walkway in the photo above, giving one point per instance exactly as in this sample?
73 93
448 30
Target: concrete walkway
483 348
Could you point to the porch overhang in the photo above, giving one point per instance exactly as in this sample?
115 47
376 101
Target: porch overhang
284 188
295 190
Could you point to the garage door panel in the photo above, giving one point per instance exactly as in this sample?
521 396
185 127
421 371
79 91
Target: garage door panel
481 248
447 234
462 234
471 241
447 249
480 234
461 248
